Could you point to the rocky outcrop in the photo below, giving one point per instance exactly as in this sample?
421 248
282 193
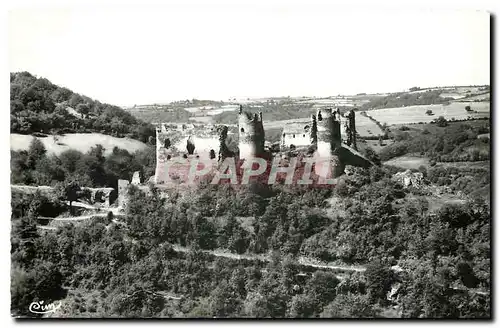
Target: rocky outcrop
136 178
393 294
409 178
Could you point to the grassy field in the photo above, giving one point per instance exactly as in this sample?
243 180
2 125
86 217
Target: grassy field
78 141
408 162
280 124
436 202
481 97
161 115
366 127
416 114
201 119
434 129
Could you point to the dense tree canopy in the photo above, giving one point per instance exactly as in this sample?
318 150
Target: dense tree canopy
36 167
130 269
38 106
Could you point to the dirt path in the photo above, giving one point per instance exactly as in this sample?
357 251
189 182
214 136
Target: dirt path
46 227
81 217
254 257
305 262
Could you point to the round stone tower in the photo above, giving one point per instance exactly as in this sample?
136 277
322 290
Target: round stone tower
328 131
251 134
328 142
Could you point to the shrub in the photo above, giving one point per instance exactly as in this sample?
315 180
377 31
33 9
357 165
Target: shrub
441 122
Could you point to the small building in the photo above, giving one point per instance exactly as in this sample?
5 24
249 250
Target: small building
296 135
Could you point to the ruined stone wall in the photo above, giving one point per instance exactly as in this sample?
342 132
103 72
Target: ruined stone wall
106 196
352 129
185 141
349 129
251 134
313 131
174 139
122 193
179 144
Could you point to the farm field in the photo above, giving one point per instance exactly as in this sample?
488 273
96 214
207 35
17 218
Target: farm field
324 101
282 123
414 162
367 127
459 90
432 128
416 114
481 97
78 141
201 119
155 116
211 110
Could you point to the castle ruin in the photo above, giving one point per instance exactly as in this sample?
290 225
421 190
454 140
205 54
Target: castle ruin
327 137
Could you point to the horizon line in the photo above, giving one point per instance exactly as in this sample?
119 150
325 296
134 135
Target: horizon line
239 98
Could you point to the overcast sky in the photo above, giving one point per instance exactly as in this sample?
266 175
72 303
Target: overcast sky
135 55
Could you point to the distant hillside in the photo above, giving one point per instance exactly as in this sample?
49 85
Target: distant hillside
39 106
427 96
178 111
287 108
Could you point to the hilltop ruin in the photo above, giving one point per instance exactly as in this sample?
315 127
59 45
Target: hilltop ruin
329 137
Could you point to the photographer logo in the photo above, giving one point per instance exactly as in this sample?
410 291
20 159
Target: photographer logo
40 308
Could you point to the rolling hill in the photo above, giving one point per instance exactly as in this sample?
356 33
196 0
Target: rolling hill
39 106
77 141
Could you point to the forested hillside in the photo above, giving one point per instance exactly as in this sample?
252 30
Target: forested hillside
442 141
132 268
39 106
400 99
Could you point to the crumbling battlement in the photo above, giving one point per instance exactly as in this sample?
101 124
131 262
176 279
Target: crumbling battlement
327 127
186 141
331 136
